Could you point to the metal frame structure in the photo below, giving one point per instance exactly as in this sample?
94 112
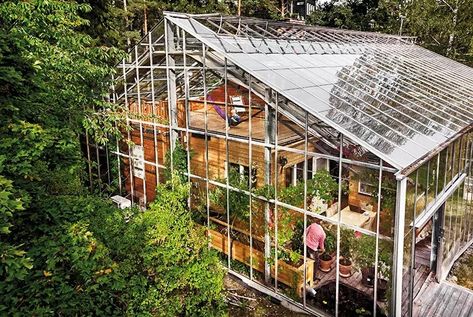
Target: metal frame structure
405 109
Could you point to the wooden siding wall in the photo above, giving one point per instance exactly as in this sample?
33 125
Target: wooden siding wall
355 199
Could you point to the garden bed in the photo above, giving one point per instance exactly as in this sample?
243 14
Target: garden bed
287 273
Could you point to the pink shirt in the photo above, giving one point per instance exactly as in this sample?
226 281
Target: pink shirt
315 237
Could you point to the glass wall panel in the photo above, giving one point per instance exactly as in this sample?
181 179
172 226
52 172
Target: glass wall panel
432 180
449 165
456 160
422 182
442 172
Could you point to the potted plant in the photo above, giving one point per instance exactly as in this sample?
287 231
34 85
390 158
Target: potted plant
364 247
384 270
326 259
346 237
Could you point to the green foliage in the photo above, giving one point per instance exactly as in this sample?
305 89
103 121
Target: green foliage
346 243
111 25
297 241
330 241
179 162
364 249
238 202
62 250
13 262
365 15
443 26
322 185
266 9
185 274
364 253
91 260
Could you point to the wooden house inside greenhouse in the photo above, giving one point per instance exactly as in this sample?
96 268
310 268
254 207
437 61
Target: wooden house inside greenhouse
283 128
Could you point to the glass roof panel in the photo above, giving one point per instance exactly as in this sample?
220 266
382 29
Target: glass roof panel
396 99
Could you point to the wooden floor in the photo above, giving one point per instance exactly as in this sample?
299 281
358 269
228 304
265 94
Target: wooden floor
423 251
216 124
421 276
443 299
353 281
432 298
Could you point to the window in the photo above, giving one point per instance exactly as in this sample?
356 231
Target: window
366 188
244 171
137 153
295 173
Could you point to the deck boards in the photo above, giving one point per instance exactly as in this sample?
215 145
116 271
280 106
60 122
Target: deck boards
437 299
217 125
353 281
444 299
423 250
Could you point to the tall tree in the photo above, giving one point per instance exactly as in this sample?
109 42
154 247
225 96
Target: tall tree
445 26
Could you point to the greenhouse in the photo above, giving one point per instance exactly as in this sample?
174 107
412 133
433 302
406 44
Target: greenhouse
291 134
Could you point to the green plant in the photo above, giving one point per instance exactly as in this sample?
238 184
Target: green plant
364 249
346 241
179 162
330 241
294 256
385 258
238 202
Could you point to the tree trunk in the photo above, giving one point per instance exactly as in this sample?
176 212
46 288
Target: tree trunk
451 38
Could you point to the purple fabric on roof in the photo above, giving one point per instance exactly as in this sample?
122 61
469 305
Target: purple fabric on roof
220 112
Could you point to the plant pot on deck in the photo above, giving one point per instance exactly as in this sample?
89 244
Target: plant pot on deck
326 261
345 267
367 276
382 289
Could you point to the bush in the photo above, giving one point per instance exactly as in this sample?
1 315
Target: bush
98 263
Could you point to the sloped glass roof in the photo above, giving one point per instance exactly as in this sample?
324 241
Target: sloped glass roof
398 100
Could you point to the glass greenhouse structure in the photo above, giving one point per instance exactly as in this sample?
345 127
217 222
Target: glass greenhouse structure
280 126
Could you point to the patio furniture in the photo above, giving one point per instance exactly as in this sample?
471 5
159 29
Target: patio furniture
363 220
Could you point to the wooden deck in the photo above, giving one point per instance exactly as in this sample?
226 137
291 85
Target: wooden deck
443 299
216 124
422 274
354 281
432 298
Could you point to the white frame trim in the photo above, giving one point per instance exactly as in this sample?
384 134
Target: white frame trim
361 192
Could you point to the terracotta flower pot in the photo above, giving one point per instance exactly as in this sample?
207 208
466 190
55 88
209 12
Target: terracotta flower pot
345 267
326 261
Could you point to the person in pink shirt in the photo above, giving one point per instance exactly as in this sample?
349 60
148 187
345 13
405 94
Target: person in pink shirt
315 242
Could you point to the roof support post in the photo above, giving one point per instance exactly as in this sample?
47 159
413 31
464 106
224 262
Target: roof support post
269 123
170 47
398 246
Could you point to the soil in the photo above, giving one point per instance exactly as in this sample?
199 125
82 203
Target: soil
345 262
462 270
245 301
325 257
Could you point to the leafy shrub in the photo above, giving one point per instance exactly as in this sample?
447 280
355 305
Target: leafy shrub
90 260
